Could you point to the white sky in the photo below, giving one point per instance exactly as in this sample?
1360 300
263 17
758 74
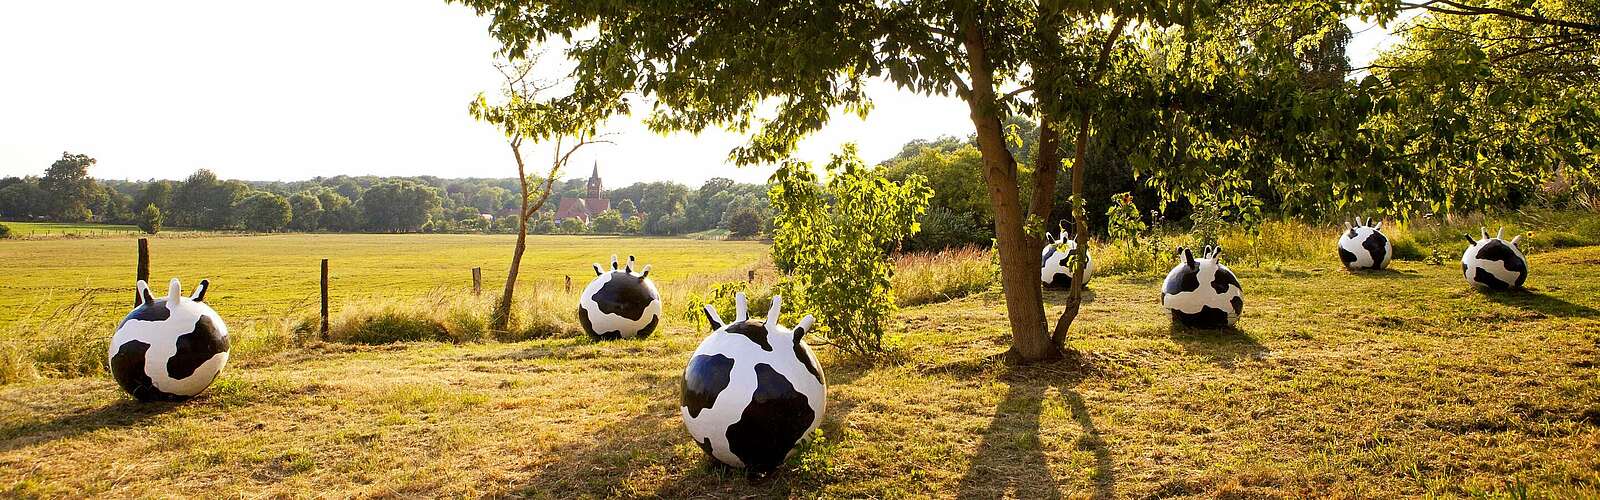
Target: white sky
296 89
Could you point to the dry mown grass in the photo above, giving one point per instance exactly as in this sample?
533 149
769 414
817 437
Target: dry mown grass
1399 383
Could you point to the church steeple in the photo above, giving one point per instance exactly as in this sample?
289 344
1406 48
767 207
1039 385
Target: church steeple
594 181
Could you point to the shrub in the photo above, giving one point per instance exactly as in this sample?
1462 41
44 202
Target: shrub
150 219
925 278
745 222
835 239
5 231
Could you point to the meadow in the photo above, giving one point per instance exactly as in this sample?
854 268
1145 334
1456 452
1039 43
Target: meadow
1404 382
49 229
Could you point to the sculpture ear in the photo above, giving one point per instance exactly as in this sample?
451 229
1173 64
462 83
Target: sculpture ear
1378 227
742 308
1188 257
646 272
1515 239
1500 233
144 293
613 262
630 264
1483 233
200 291
804 326
711 317
1347 226
597 270
1048 237
1470 241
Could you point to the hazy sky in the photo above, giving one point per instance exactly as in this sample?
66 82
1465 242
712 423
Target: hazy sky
296 89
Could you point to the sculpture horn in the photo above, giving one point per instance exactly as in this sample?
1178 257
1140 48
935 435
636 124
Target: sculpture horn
613 262
803 326
742 308
597 270
646 272
200 291
1501 232
775 311
629 268
144 293
713 318
1515 239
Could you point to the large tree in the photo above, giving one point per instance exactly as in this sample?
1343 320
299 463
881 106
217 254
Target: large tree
1237 97
69 186
398 206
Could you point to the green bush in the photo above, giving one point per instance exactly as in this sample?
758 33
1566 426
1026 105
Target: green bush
150 219
834 240
5 231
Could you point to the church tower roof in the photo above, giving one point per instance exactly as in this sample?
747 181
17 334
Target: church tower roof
595 187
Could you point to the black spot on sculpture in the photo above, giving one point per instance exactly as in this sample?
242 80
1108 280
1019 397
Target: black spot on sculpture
1494 263
619 304
767 400
1202 292
1363 245
169 349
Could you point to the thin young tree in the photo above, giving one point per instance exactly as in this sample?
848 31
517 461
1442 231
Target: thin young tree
527 114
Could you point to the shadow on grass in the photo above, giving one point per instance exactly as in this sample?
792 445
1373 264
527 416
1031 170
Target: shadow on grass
1386 273
123 413
1541 303
1010 460
1223 346
650 454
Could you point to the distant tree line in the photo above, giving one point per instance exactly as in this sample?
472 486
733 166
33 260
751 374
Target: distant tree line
67 193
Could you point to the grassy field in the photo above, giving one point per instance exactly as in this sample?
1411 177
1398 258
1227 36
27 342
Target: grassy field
1396 383
262 276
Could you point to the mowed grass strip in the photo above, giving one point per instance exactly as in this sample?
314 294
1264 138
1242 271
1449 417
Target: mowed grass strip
275 276
1380 384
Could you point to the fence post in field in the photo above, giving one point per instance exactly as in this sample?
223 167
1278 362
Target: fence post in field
142 272
477 281
324 329
569 283
752 276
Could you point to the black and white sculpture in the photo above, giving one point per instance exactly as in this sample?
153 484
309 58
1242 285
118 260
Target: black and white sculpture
1363 246
169 349
1202 292
753 390
1494 263
1055 272
619 304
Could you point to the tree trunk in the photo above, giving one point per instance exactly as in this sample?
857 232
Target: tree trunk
501 319
1045 172
1081 228
1079 171
1019 266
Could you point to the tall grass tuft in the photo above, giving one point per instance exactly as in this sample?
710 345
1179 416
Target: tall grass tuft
925 278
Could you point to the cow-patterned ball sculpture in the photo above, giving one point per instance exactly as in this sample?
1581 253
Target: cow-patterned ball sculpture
753 390
1055 273
619 304
1494 263
169 349
1363 246
1203 293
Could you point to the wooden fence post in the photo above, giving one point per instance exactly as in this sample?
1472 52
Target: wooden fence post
142 272
569 283
477 281
324 329
752 276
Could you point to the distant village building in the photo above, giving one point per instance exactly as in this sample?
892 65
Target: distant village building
588 207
